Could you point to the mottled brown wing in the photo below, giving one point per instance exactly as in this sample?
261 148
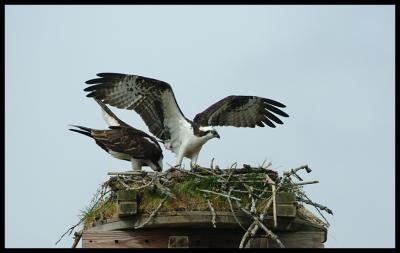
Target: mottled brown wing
242 111
152 99
129 141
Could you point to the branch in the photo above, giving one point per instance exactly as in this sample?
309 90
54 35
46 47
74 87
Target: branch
233 212
153 213
126 173
220 194
246 235
319 206
69 231
307 182
77 238
189 172
212 212
293 172
164 189
269 233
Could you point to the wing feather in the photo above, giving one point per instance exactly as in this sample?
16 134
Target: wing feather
128 141
242 111
152 99
109 116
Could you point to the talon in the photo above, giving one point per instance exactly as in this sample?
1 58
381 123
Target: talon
194 166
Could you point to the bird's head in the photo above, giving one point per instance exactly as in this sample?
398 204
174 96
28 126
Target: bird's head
159 164
209 132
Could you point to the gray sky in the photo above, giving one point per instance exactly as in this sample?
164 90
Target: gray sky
333 66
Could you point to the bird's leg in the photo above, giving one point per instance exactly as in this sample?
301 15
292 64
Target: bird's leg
179 159
193 161
194 166
136 165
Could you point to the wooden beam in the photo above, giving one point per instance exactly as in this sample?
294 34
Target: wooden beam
195 238
178 241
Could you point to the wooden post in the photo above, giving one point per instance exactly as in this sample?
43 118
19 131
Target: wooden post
126 202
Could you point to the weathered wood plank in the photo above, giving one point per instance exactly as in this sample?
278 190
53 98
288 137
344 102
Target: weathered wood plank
178 242
201 219
301 239
159 238
286 210
122 239
285 197
127 208
257 243
204 238
126 195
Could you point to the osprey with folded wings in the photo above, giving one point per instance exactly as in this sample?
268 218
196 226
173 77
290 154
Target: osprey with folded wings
125 142
155 102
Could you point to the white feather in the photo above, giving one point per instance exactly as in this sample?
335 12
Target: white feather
108 119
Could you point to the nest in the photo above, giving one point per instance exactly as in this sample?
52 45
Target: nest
251 190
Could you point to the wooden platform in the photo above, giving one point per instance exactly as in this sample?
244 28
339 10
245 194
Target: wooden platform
194 229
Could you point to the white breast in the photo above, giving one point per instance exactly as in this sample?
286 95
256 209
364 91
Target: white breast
180 132
119 155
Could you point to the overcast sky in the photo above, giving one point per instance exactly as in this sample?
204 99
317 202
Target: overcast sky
333 66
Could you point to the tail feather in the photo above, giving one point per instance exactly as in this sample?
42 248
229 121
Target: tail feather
87 131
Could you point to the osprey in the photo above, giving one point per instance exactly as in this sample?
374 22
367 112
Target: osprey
125 142
155 102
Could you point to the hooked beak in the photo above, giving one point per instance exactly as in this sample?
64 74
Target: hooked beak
216 135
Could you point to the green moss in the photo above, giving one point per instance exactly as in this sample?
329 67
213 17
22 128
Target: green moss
188 196
104 210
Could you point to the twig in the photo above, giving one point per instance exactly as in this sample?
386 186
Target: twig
127 187
268 204
69 231
293 172
262 165
246 181
209 171
189 172
319 206
212 212
126 173
246 235
164 189
153 213
254 189
306 182
220 194
233 212
251 231
269 233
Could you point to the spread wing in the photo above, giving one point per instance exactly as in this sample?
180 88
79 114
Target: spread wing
128 141
152 99
242 111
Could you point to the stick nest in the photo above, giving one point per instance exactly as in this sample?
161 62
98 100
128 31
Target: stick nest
248 189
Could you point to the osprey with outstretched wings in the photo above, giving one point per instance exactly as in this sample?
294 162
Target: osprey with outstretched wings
125 142
155 102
